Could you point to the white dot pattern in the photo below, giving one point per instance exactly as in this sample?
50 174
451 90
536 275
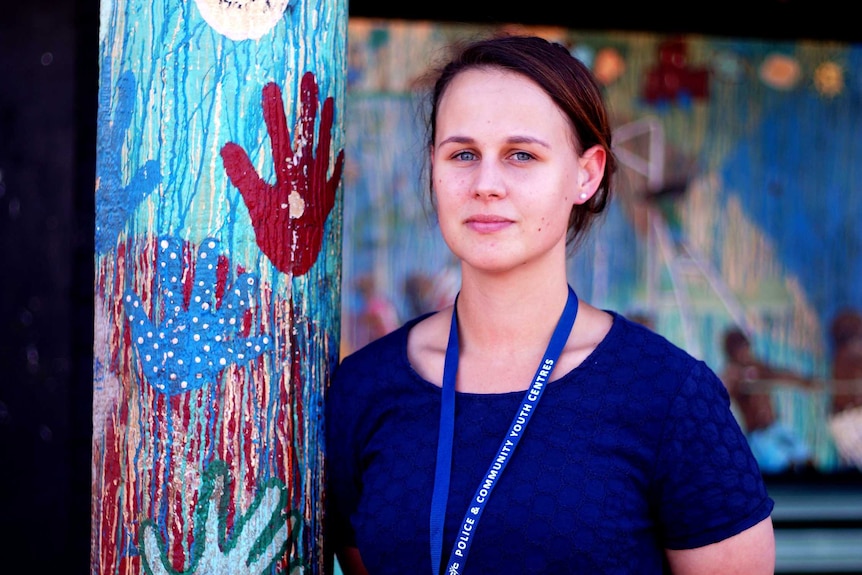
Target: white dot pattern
198 342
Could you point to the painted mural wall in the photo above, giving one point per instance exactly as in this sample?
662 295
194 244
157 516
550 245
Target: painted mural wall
737 202
218 249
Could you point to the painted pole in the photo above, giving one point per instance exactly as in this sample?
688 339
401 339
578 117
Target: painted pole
217 285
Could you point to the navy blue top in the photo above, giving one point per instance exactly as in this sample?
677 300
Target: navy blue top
634 451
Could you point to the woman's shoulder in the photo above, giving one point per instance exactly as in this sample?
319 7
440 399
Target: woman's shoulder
384 353
633 351
369 378
642 340
385 344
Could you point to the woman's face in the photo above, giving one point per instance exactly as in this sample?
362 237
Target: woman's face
505 171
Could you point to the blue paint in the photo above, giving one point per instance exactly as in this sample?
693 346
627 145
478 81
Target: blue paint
114 199
190 346
801 182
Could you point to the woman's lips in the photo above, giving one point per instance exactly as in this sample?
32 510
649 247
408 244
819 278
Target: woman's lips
487 223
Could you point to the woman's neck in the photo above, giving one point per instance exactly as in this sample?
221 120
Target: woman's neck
504 330
507 315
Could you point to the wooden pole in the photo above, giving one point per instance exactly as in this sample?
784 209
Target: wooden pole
217 285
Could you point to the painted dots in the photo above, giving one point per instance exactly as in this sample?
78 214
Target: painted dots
194 353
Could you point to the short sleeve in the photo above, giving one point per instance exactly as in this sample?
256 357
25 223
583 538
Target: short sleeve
710 486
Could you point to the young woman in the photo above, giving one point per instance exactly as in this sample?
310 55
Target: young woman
522 430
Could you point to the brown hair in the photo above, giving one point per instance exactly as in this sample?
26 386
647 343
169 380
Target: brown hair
568 82
735 340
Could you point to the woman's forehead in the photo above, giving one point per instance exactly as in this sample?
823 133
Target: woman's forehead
504 103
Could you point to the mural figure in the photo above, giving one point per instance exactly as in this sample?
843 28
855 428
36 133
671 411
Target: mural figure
845 333
845 421
748 379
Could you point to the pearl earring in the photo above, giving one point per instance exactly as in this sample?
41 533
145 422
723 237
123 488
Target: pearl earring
583 195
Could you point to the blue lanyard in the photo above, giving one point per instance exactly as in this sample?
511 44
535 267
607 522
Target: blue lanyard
447 426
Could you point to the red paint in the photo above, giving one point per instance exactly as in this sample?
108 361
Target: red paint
673 77
188 274
175 519
291 244
131 565
222 270
250 445
110 526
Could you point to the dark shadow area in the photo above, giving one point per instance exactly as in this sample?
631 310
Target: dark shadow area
48 52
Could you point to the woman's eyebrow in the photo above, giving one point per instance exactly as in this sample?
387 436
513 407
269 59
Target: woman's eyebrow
511 140
527 140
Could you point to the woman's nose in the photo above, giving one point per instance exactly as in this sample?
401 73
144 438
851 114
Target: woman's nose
489 181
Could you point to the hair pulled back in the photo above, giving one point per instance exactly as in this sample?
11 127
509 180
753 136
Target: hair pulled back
567 81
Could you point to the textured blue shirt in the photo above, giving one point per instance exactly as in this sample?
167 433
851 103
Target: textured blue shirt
634 451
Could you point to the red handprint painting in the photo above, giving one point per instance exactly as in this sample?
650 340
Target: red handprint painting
289 215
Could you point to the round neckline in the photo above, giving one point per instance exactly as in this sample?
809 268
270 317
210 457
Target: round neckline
516 393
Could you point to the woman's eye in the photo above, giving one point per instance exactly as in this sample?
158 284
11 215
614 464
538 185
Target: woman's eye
522 156
465 156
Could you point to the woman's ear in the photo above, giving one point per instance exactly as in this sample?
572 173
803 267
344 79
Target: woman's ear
591 170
